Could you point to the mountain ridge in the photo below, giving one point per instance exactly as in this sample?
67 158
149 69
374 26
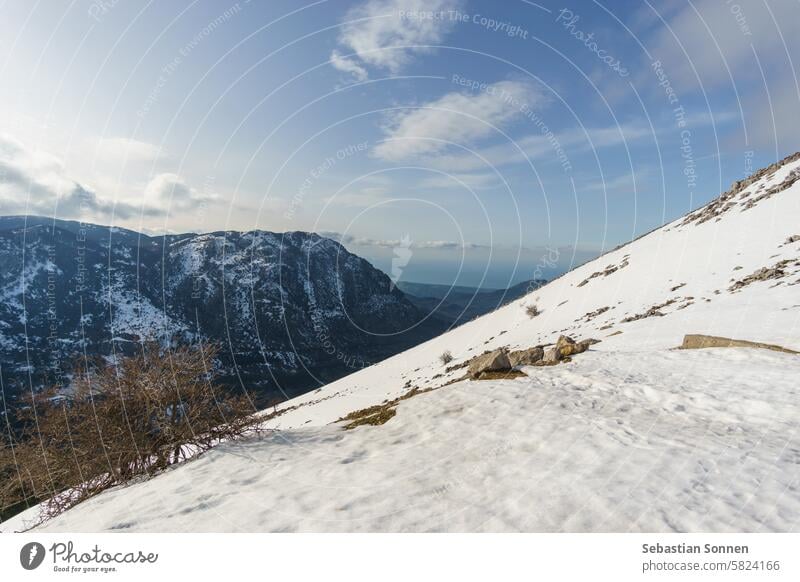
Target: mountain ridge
311 309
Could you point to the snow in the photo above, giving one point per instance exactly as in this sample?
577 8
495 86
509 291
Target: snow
678 441
630 436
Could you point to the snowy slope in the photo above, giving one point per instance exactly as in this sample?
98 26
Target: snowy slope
630 436
705 260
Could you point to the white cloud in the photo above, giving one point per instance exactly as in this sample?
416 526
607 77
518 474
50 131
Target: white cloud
36 182
386 34
460 118
124 150
170 190
349 66
539 146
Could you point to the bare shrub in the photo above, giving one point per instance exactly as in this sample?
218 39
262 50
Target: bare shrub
120 422
446 357
532 310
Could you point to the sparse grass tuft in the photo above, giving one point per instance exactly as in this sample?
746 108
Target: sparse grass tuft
446 357
532 311
373 416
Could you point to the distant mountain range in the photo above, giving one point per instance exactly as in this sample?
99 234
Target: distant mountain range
290 311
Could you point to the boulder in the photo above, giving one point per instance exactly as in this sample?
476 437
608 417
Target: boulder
526 357
491 362
551 356
583 345
566 346
564 340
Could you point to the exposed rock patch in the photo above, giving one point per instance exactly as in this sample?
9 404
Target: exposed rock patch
654 311
501 364
777 271
606 272
592 314
700 341
727 200
793 177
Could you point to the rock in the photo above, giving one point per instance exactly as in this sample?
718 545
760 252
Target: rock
491 362
551 355
526 357
777 271
587 342
566 346
793 239
564 340
570 349
699 342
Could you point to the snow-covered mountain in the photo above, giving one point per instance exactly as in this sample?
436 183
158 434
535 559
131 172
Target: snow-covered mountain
291 311
631 435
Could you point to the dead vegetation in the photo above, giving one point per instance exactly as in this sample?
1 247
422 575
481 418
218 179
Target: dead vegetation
501 375
380 413
373 416
119 423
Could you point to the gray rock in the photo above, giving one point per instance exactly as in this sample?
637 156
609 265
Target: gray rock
491 362
551 355
584 344
526 357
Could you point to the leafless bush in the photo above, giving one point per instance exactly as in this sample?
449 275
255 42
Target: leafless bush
532 310
120 422
446 357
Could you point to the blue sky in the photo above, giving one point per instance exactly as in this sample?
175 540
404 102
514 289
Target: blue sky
477 142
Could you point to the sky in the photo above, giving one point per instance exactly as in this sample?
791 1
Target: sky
447 141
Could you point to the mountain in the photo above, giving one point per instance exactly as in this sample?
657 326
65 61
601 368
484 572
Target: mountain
631 435
458 304
290 311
